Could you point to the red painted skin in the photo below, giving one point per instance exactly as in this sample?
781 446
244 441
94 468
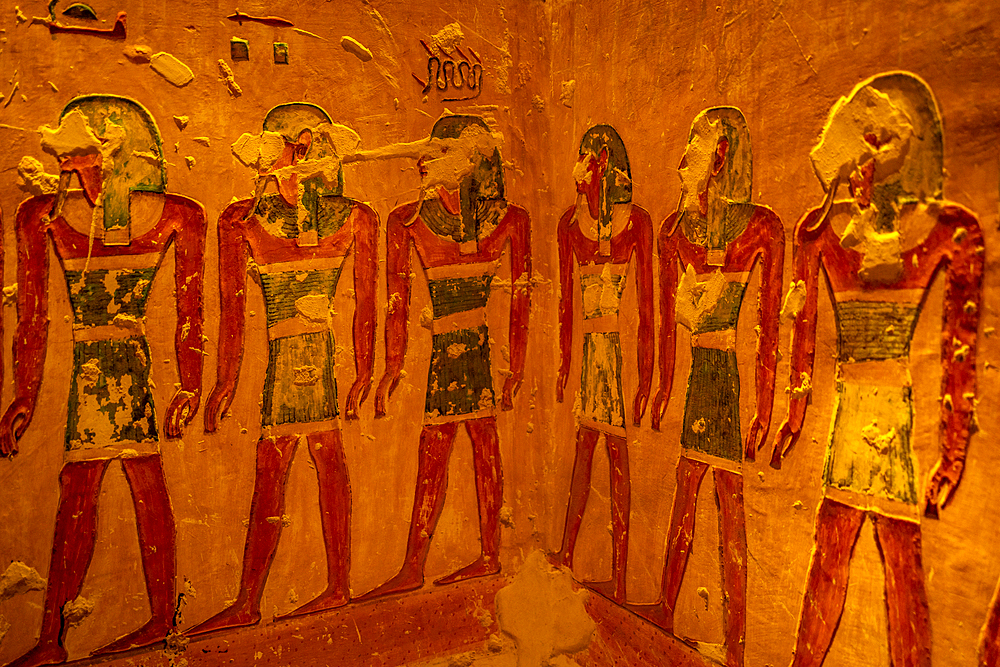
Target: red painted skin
436 440
989 647
761 242
837 525
239 240
636 239
183 226
115 32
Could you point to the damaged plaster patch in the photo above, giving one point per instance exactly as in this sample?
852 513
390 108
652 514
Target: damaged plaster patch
795 299
447 38
33 179
259 151
804 388
18 578
170 68
76 610
138 53
859 128
543 614
697 299
72 137
567 92
355 48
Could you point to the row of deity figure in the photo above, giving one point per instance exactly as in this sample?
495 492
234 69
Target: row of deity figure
879 248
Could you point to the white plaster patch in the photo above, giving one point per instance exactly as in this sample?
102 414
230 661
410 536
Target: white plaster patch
543 614
18 578
697 299
76 610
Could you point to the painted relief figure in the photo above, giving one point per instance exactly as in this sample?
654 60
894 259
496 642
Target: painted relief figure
880 250
459 228
296 241
602 231
708 249
110 239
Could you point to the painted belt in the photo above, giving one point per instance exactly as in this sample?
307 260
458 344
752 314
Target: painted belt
296 326
122 328
724 339
467 319
603 324
882 373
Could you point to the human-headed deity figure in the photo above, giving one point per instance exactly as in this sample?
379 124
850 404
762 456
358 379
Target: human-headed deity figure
708 249
459 228
880 249
296 241
110 239
603 231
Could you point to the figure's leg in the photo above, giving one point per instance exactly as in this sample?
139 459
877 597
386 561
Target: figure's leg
905 595
489 497
837 528
621 503
432 482
579 490
733 550
690 473
989 641
154 520
274 458
327 453
72 549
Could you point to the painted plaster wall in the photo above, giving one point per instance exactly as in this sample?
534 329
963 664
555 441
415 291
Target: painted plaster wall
647 68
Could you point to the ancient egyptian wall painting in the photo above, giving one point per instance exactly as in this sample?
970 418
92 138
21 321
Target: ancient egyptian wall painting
306 360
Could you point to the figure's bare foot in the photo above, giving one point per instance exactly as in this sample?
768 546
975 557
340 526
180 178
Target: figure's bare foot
150 633
42 654
608 589
482 567
656 613
406 580
234 616
326 600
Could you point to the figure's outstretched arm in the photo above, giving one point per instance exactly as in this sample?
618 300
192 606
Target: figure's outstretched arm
646 345
520 302
233 256
365 277
31 335
397 285
962 301
808 255
667 249
565 302
189 251
772 260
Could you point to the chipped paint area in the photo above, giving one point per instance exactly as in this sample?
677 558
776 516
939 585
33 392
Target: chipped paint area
795 299
696 299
